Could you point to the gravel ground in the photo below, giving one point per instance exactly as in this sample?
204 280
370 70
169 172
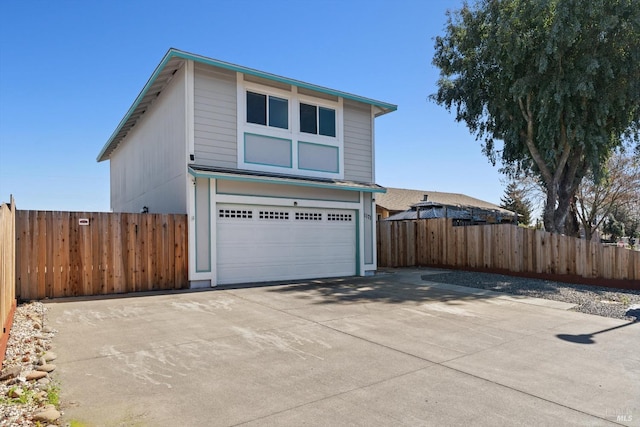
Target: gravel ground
607 302
23 401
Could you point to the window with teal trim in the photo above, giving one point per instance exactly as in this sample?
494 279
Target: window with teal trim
317 120
267 110
327 121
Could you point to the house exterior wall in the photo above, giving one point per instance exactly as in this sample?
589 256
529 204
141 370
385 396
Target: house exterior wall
358 142
239 188
148 168
215 120
382 213
221 136
206 116
368 226
209 195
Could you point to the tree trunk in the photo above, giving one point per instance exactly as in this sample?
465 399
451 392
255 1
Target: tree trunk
572 224
549 212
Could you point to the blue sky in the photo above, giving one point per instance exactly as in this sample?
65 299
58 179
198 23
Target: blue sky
69 71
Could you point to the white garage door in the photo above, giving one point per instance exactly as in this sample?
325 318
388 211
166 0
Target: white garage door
265 243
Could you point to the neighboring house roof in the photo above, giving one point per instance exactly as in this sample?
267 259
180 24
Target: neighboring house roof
173 60
400 199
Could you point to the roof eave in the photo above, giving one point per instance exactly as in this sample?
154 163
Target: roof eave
103 153
384 106
107 149
251 176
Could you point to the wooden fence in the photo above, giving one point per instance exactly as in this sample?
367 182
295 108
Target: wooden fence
7 271
505 248
61 254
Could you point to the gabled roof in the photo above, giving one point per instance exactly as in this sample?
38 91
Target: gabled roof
401 199
174 59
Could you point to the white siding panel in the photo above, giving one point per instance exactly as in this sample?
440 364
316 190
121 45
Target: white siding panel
148 167
358 142
215 117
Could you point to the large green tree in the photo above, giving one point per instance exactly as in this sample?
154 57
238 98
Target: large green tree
558 81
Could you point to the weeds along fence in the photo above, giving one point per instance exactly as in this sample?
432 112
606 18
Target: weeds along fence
504 248
60 254
7 271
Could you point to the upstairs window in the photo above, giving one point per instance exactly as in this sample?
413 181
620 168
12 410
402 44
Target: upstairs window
317 120
267 110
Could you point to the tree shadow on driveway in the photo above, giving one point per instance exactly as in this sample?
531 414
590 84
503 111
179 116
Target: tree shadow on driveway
392 288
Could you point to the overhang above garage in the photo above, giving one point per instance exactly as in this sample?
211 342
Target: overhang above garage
272 178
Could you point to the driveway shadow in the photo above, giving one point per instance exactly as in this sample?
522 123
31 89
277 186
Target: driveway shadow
588 338
385 287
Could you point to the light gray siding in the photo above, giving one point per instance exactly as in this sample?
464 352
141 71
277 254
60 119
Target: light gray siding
215 117
148 167
203 225
316 157
287 191
264 150
358 142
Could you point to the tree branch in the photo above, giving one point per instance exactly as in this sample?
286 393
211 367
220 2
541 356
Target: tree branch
566 150
535 154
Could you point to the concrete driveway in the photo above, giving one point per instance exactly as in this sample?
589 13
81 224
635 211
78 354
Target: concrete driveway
393 349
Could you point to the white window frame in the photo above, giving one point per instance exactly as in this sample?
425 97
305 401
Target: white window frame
293 133
314 103
265 130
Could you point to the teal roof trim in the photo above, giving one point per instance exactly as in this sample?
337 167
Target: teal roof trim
172 53
280 79
135 104
302 181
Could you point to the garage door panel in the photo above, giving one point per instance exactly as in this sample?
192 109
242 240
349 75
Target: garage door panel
274 243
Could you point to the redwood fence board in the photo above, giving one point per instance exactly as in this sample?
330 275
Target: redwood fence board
7 271
505 248
114 253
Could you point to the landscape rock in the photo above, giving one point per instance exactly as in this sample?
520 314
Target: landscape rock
46 368
36 375
10 372
25 348
49 415
50 355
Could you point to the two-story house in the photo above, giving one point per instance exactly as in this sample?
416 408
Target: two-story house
275 175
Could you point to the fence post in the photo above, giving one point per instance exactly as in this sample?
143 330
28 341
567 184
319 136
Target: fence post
8 273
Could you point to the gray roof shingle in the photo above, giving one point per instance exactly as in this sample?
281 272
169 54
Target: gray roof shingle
401 199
